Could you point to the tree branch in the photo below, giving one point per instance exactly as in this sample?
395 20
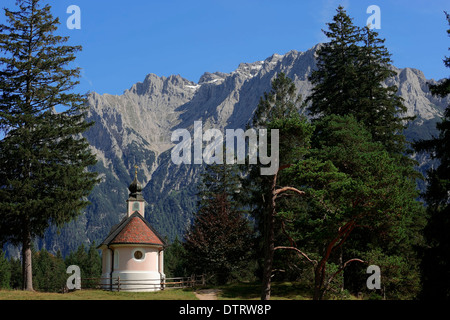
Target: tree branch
314 262
285 166
284 189
340 270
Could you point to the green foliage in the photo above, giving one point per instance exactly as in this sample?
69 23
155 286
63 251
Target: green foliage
351 71
399 277
5 271
43 160
88 259
435 256
220 239
49 272
359 188
282 102
279 110
359 130
356 197
175 264
16 273
335 79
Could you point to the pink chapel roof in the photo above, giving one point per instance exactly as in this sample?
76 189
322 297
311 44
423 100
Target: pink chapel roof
134 230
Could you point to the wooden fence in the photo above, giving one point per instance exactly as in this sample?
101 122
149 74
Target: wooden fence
118 284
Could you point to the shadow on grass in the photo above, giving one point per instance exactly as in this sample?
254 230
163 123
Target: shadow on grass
252 291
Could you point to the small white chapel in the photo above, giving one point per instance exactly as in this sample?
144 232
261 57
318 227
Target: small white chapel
132 253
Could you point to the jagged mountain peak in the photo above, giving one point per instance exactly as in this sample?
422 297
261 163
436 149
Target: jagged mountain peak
155 85
208 77
156 106
135 128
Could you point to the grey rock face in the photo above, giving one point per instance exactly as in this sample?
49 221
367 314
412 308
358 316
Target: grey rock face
135 128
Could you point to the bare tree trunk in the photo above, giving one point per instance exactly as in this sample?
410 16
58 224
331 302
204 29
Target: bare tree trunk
27 272
341 266
318 280
268 253
269 234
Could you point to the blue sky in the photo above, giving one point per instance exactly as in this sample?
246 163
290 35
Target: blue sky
123 41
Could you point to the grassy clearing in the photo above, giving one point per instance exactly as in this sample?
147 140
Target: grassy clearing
236 291
172 294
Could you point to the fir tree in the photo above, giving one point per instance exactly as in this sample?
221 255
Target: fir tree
95 262
351 70
89 262
49 272
5 271
282 102
175 260
43 159
16 273
436 261
335 80
380 106
219 241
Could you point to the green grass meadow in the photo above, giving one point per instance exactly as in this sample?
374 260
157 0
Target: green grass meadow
240 291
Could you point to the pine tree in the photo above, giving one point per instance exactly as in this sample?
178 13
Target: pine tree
16 273
93 262
43 159
278 109
351 184
436 261
351 79
220 179
282 102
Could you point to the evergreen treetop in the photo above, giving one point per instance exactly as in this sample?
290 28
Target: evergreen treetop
350 79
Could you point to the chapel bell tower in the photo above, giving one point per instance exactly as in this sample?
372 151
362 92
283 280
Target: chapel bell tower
135 200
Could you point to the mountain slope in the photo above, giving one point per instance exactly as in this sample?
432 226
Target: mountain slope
135 129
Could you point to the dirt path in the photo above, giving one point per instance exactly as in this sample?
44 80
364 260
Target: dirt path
207 294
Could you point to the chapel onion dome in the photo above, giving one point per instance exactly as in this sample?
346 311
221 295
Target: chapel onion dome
135 186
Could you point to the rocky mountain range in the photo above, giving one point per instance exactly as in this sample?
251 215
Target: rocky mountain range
135 128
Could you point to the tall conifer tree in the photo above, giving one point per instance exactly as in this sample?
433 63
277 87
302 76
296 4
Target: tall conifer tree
351 70
43 159
436 256
220 238
336 78
381 109
350 79
278 109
